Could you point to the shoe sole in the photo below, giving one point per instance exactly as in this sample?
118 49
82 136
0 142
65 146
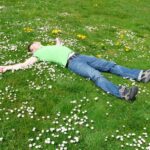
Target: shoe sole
147 77
133 93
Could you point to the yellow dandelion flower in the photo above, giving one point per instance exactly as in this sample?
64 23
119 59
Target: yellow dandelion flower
56 31
27 29
127 48
80 36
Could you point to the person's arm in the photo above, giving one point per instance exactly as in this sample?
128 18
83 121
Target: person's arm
59 42
30 61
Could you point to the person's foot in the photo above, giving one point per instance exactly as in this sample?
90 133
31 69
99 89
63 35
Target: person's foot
145 77
128 94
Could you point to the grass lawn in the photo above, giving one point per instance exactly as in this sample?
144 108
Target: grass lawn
48 107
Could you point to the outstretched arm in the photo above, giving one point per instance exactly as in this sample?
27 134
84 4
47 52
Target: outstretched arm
30 61
59 42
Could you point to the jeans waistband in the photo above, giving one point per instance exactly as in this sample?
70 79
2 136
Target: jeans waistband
73 56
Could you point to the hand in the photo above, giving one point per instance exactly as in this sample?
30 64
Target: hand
2 69
58 41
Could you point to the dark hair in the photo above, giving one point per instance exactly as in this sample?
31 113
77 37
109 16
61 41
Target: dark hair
29 49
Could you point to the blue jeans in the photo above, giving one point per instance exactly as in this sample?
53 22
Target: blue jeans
90 67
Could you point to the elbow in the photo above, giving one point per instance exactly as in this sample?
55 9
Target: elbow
23 66
19 66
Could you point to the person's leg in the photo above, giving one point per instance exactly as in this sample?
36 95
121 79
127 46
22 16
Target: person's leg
79 67
126 72
110 66
97 63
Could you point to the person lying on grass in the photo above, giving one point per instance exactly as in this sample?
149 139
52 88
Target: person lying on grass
86 66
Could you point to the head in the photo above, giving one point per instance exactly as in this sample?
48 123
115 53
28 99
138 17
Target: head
32 47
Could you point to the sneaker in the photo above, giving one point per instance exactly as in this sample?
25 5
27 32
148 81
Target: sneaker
128 94
145 77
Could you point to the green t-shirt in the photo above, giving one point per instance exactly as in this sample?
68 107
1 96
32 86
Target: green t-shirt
54 53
